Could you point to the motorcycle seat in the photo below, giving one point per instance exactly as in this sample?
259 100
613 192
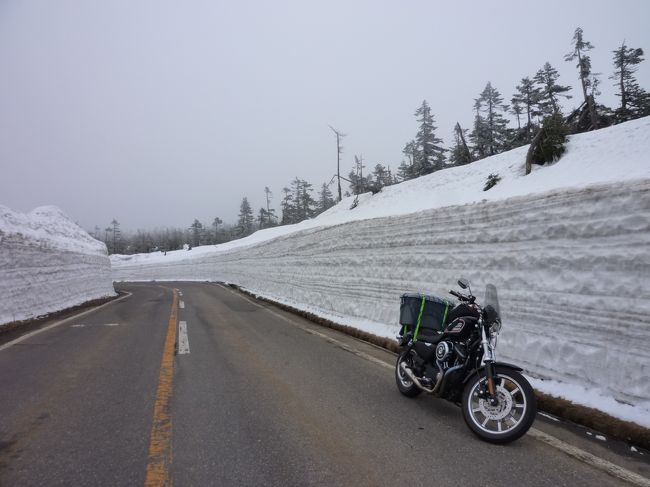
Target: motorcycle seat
429 336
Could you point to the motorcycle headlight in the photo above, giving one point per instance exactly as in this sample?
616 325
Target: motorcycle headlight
495 327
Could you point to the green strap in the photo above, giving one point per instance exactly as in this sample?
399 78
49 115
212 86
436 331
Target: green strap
417 328
444 318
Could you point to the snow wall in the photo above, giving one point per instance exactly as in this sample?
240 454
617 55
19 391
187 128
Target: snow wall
572 270
48 263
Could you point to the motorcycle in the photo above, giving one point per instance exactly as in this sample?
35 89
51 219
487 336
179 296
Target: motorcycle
449 351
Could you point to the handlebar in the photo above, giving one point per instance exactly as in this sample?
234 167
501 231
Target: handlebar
462 297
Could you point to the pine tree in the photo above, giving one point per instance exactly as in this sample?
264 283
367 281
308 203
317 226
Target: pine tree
117 236
460 154
478 134
245 222
325 199
406 170
635 101
358 182
430 155
306 204
490 125
288 208
380 178
527 97
587 79
196 229
215 223
549 91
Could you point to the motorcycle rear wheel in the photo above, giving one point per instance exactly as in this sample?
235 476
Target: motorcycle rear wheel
405 385
511 418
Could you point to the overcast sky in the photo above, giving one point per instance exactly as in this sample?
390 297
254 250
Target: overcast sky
157 112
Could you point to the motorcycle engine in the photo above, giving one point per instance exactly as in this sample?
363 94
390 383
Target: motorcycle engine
444 351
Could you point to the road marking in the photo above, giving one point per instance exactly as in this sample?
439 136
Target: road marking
183 340
58 323
586 457
181 305
160 441
573 451
82 325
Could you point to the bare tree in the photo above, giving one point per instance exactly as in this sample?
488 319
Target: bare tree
339 151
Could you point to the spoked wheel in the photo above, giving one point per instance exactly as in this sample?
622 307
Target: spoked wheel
510 418
405 385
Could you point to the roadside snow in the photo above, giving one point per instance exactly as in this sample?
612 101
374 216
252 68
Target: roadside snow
567 247
48 263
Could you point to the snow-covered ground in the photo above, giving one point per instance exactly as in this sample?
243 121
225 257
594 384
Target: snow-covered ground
48 263
567 246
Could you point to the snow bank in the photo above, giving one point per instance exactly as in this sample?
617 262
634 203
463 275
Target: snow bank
48 263
566 246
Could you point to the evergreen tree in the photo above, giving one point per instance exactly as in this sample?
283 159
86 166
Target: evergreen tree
325 199
635 101
245 222
117 236
490 126
430 155
406 169
215 223
262 218
460 154
358 182
478 135
380 178
587 79
305 202
288 207
549 91
526 98
196 228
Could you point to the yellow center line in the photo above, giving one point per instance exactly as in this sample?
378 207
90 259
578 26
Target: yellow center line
160 442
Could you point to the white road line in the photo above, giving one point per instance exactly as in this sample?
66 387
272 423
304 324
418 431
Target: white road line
58 323
183 341
181 304
111 324
586 457
573 451
77 326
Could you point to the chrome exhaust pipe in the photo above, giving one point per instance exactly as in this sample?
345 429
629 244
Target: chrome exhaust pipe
416 381
442 378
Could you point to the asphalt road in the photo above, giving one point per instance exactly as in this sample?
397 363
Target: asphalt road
256 396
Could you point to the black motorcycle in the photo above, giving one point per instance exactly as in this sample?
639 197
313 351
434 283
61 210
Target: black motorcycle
449 351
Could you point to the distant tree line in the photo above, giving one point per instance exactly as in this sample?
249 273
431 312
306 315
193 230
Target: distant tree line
534 105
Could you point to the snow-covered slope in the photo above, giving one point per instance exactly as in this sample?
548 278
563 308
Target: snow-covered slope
567 246
48 263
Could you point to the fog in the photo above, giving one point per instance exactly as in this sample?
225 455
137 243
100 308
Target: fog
156 113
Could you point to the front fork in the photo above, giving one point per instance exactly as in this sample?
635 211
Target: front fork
488 358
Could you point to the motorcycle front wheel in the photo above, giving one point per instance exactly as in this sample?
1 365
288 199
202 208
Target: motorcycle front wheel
511 418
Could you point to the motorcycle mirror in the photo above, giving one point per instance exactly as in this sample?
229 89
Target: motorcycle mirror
463 283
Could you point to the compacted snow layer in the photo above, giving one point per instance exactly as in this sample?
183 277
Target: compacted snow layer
48 263
571 268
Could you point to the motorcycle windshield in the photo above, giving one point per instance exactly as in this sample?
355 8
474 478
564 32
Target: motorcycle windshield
492 299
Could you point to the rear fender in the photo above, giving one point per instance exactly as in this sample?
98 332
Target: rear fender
505 365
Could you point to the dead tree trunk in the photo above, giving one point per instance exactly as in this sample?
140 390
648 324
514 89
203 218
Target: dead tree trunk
537 140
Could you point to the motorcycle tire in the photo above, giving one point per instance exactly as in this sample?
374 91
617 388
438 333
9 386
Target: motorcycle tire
511 418
405 385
